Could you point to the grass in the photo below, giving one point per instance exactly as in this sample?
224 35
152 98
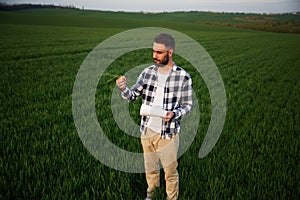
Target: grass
42 157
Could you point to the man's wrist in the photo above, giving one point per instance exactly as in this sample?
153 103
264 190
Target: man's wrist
177 114
122 90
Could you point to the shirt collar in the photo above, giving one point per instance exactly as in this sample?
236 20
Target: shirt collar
174 67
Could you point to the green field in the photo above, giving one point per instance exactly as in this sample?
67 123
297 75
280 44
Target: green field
42 156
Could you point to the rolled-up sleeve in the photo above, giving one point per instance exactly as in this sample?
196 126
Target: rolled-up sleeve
131 94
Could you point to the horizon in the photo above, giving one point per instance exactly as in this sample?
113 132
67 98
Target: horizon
149 12
245 6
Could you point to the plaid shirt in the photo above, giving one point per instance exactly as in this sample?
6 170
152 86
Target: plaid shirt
178 97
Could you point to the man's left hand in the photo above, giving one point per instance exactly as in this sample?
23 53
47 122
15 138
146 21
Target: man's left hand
169 116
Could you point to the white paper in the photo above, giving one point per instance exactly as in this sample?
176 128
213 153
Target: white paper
155 111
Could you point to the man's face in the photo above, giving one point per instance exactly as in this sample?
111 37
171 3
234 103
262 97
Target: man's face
160 54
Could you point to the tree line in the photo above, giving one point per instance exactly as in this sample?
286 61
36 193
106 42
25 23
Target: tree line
10 7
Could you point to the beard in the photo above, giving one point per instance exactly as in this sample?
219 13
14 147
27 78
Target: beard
163 62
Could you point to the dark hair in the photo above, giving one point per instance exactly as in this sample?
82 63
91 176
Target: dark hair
165 39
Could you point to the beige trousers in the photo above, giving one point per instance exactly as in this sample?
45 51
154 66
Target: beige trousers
155 148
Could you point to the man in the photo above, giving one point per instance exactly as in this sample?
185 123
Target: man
170 87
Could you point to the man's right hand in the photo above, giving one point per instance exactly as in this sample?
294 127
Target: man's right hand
121 82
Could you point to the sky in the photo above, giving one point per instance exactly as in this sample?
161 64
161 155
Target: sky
247 6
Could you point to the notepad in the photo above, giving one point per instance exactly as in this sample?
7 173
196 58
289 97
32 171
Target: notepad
155 111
